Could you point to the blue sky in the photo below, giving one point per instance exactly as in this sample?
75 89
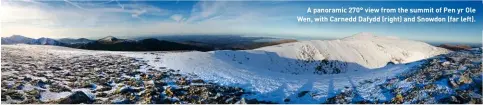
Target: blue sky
95 19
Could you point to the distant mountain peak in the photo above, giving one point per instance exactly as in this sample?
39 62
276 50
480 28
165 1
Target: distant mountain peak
16 39
19 39
113 40
82 39
109 39
17 36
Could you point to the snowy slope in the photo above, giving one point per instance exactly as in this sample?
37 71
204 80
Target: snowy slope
276 73
360 51
270 85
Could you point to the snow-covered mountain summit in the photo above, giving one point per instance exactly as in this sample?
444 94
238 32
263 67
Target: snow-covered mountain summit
113 40
14 39
360 50
109 39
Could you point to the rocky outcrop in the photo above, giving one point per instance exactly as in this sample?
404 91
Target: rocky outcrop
78 97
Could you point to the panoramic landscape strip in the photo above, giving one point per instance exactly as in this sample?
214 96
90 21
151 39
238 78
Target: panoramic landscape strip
241 52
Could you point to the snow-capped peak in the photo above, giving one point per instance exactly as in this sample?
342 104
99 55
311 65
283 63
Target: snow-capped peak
357 52
19 37
109 39
113 40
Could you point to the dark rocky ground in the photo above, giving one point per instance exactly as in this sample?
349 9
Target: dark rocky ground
454 78
33 77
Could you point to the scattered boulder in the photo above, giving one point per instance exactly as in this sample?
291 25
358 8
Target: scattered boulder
78 97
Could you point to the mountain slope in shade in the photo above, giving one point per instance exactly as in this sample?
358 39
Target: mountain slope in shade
223 42
115 44
48 41
75 41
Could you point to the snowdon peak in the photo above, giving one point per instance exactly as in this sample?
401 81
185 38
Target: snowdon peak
109 39
18 36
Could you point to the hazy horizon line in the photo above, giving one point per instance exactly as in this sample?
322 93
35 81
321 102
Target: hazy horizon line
298 38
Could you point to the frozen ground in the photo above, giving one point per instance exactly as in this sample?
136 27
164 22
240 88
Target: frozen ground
50 75
270 85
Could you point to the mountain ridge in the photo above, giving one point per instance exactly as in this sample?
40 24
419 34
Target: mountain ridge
19 39
365 49
206 43
75 41
111 43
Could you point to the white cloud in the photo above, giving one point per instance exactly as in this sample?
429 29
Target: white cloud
87 19
206 9
73 13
